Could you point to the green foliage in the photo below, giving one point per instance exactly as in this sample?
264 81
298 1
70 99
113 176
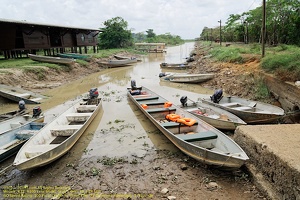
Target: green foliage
282 25
286 65
261 89
232 55
115 34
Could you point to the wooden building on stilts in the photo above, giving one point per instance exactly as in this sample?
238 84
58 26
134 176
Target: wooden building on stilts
18 38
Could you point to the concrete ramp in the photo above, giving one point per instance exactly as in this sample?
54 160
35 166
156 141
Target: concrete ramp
274 157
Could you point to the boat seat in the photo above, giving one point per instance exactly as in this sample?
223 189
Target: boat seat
9 144
78 117
86 108
244 108
64 130
229 104
174 124
36 150
145 98
208 135
252 104
36 99
153 103
155 110
24 95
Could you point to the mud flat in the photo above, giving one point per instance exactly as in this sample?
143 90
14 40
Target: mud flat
274 158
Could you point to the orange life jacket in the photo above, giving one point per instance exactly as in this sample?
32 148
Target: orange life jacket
186 121
172 117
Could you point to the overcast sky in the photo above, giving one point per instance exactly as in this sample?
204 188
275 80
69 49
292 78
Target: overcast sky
185 18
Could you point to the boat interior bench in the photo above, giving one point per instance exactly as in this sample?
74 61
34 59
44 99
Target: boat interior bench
208 135
146 98
86 108
35 150
150 103
155 110
233 104
244 108
174 124
64 130
78 117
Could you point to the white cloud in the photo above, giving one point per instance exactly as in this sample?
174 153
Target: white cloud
185 18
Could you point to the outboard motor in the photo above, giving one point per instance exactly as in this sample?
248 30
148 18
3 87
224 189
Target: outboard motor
36 111
93 93
133 85
217 96
22 105
162 74
183 101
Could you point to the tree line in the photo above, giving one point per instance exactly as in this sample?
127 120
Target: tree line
282 25
116 34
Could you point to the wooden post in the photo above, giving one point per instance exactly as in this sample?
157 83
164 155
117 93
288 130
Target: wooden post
263 29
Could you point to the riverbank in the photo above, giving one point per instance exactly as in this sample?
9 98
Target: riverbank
142 171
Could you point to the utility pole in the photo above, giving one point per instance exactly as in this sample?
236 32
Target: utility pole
220 32
263 34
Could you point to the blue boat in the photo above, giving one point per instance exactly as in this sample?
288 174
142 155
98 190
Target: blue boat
12 140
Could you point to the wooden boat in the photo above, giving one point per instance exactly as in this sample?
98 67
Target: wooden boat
16 94
11 114
217 117
118 63
187 78
50 59
191 135
177 66
252 112
118 57
12 140
74 56
58 136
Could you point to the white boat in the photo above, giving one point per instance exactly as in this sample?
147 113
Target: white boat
187 78
16 94
50 59
118 63
58 136
191 135
252 112
174 66
217 117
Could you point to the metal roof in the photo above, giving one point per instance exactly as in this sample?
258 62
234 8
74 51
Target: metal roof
41 24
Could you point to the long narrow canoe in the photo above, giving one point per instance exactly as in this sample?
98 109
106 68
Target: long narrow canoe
191 135
118 63
58 136
174 66
11 114
217 117
12 140
252 112
187 78
74 56
16 94
50 59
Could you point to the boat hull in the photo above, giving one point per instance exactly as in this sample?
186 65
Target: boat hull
11 141
40 150
49 59
217 117
197 149
259 113
16 94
